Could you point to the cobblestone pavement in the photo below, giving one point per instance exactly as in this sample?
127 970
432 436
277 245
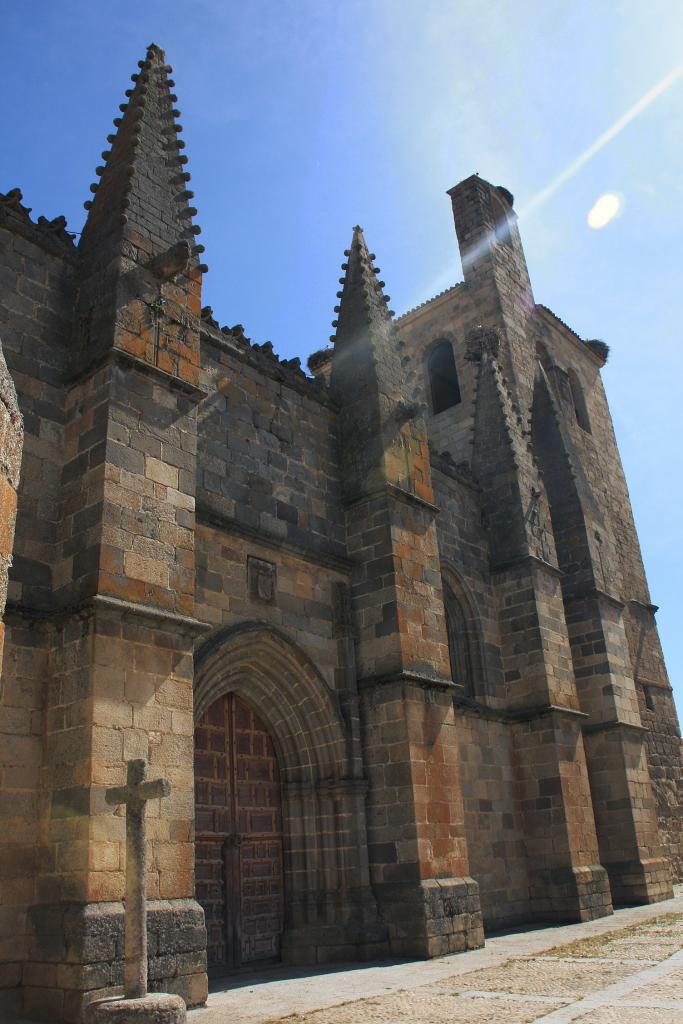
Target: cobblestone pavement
625 969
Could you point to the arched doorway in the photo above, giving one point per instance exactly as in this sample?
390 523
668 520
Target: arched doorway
238 835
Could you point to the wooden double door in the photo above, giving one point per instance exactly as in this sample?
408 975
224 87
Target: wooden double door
238 836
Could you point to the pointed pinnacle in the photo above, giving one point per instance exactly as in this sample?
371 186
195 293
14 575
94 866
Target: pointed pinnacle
146 144
156 54
362 301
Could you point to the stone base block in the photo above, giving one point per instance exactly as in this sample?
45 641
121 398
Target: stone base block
571 894
640 881
433 917
333 928
155 1008
301 948
76 955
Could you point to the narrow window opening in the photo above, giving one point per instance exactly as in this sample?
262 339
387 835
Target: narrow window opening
458 641
579 402
649 702
443 378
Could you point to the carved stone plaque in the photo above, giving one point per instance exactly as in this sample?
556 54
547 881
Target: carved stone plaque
261 576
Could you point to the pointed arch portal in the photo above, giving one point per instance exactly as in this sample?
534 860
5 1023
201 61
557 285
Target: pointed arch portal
280 806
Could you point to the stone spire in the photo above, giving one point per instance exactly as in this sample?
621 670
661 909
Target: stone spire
139 288
367 378
142 196
363 303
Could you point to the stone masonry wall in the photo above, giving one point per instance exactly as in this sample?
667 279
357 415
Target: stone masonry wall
36 273
37 270
494 823
623 574
463 549
268 492
446 317
267 449
272 568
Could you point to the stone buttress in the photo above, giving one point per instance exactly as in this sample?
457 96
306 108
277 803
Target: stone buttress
614 734
417 849
121 593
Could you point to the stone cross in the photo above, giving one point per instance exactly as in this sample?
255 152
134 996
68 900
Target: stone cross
135 795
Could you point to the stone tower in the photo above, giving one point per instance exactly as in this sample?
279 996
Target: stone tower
582 663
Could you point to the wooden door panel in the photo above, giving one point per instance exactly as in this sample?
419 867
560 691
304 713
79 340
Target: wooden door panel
238 835
211 893
259 820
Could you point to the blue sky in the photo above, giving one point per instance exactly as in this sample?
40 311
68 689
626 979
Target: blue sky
305 117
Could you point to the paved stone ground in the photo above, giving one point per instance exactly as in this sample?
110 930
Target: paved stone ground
625 969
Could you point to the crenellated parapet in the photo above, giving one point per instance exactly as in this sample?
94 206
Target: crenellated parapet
48 234
262 356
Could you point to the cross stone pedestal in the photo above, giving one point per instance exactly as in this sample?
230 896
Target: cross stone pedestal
153 1008
138 1006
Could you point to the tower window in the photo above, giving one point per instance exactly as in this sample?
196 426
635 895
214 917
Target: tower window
458 641
443 378
579 401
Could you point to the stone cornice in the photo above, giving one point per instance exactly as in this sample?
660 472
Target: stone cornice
526 559
208 516
394 491
597 594
545 313
104 602
114 356
406 676
510 716
655 684
428 305
591 728
652 608
182 623
450 469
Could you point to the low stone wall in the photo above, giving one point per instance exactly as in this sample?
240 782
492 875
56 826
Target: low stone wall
76 955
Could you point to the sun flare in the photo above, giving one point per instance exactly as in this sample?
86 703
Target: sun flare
604 210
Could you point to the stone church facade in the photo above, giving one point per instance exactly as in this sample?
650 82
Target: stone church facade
385 628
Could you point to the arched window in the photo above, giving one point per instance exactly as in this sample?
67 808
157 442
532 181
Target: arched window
579 401
443 377
459 642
